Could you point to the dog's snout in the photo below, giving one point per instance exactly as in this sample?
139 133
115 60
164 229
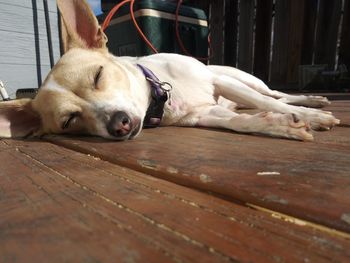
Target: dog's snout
120 124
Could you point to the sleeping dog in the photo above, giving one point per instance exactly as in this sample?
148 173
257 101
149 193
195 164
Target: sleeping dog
90 91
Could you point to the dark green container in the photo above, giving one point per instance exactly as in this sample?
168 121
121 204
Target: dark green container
157 21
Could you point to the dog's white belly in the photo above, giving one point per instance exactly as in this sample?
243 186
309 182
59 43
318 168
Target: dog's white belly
191 81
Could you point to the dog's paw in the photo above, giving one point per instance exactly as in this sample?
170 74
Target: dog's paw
297 128
318 119
317 101
306 100
287 126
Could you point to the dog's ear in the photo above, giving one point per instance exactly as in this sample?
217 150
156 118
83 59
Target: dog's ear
79 25
18 119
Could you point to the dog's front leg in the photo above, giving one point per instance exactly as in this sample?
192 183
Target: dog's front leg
237 91
267 123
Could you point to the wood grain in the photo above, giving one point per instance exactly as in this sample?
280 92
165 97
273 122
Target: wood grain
60 205
306 180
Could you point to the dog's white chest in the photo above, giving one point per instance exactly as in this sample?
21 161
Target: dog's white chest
174 110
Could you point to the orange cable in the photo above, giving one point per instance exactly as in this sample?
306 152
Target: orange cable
111 13
178 37
139 29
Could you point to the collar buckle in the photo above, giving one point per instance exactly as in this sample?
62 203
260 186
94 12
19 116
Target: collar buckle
160 93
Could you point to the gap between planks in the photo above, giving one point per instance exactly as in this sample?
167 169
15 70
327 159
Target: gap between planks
131 211
300 222
271 213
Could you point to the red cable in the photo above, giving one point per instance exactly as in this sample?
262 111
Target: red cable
178 37
111 13
139 29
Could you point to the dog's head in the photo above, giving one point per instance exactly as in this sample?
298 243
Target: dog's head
87 92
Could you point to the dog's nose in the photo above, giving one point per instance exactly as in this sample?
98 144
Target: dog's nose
120 124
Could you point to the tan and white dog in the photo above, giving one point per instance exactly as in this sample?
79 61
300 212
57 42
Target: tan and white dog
90 91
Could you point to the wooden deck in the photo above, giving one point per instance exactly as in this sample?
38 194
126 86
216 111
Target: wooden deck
177 195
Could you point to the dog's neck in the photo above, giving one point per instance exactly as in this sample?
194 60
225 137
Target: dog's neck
144 81
160 94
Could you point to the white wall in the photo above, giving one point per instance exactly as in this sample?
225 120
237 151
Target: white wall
18 55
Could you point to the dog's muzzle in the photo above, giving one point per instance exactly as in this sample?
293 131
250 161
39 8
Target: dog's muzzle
122 127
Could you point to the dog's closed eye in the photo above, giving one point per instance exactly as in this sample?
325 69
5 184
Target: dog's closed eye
69 120
98 76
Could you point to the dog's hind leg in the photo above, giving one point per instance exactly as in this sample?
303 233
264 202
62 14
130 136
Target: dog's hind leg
266 123
237 91
261 87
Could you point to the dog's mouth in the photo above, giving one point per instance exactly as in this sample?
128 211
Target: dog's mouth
136 130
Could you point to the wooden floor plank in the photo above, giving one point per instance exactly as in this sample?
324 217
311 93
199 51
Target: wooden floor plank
43 220
52 196
306 180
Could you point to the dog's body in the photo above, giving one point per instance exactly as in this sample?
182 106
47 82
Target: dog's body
90 91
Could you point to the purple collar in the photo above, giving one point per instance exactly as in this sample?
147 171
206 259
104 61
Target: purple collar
160 93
